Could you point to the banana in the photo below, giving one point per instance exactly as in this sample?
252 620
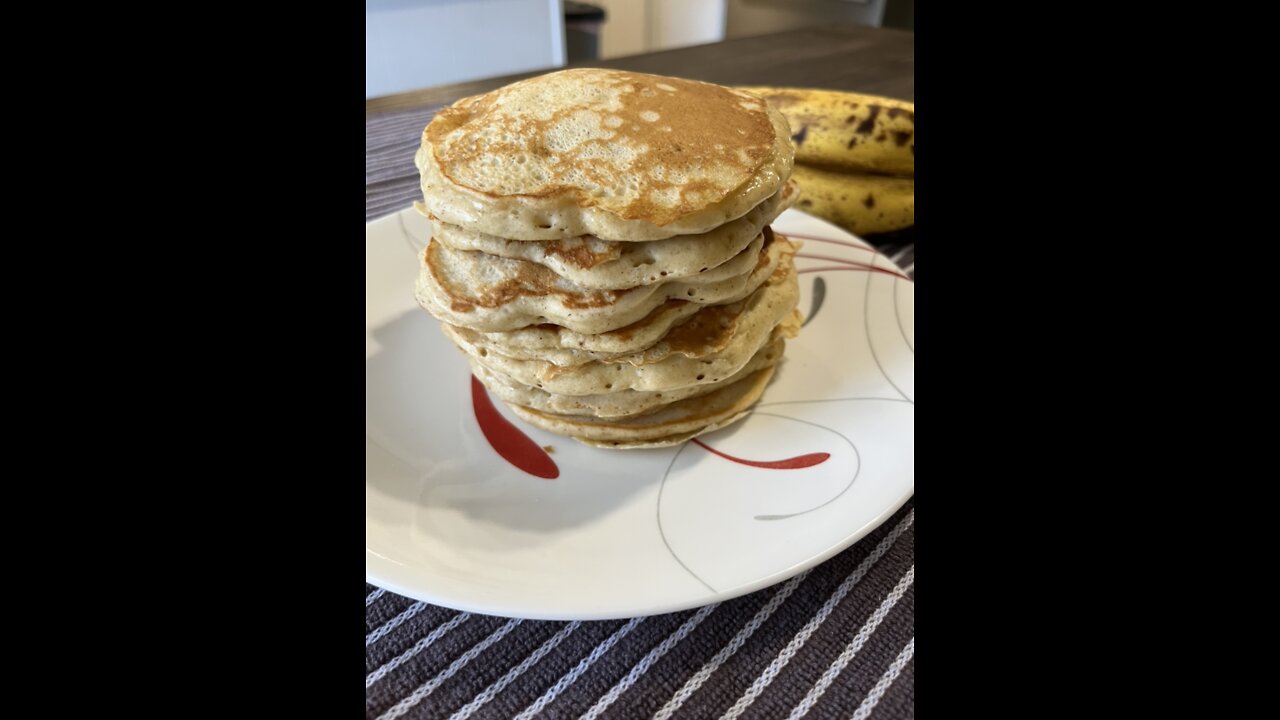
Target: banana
848 131
862 203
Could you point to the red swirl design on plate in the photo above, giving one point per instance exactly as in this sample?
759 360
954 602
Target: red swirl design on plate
514 446
792 463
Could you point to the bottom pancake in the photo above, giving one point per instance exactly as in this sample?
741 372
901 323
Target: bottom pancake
627 403
671 425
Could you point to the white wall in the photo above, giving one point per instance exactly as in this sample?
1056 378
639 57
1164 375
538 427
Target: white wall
626 27
638 26
410 44
680 23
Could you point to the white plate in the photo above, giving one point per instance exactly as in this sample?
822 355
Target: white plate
624 533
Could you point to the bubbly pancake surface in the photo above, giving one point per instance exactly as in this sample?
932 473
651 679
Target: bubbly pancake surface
603 264
630 338
488 293
626 403
706 332
669 372
619 155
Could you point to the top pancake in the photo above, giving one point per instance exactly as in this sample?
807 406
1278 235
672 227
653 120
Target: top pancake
618 155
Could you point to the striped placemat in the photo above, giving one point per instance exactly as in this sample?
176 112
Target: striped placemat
837 641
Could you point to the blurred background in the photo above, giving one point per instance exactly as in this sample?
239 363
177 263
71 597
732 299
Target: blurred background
412 44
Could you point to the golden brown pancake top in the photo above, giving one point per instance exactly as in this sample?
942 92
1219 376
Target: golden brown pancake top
638 146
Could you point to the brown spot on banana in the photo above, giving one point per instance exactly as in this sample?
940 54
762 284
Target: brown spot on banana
866 126
895 112
900 137
869 201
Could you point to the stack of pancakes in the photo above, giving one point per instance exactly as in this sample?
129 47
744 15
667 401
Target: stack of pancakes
601 250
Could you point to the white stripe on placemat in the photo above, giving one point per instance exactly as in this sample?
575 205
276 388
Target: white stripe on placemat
797 642
389 173
877 692
392 163
394 623
397 148
699 678
374 146
583 665
410 124
395 196
841 662
368 600
647 662
407 124
418 647
404 192
430 686
376 188
501 683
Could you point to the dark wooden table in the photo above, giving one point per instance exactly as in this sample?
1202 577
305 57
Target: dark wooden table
841 57
778 652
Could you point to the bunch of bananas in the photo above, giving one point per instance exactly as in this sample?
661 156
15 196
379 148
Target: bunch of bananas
855 156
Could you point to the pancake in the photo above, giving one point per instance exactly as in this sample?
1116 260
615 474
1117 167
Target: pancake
626 403
618 155
627 339
708 331
676 370
486 293
671 425
601 264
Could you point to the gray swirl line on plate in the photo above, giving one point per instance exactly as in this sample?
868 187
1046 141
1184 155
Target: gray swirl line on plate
408 236
898 315
822 400
658 516
866 328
